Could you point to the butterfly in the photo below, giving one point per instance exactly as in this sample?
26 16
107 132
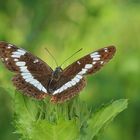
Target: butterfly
35 78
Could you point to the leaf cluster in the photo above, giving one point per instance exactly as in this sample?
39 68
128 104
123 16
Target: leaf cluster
73 120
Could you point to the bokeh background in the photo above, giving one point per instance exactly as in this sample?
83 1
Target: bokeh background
64 26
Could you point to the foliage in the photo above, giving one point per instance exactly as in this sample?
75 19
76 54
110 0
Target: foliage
73 120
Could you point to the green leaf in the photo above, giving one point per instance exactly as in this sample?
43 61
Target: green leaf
103 116
34 123
62 130
8 90
73 120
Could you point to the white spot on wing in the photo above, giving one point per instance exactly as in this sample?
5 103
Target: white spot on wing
6 59
25 73
24 69
15 59
15 56
55 92
78 62
9 46
18 53
34 82
106 50
64 87
94 54
60 90
35 85
21 51
36 60
96 58
76 79
82 72
68 84
79 76
73 82
20 63
39 86
94 63
29 79
44 90
88 66
27 76
102 62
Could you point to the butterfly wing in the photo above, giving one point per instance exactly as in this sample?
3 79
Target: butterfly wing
31 71
69 93
90 63
27 89
74 73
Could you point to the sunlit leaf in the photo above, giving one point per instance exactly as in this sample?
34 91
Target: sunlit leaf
101 118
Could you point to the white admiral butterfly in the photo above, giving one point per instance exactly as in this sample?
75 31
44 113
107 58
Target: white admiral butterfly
36 79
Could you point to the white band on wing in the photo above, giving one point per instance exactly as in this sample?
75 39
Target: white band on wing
75 80
25 73
95 57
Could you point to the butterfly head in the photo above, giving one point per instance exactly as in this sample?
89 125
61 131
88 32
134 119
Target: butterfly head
57 73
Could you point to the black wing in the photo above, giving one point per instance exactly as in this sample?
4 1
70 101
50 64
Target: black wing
32 73
74 73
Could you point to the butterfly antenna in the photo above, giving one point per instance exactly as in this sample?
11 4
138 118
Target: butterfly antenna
51 56
71 56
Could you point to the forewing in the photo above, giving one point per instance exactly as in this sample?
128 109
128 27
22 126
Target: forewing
12 57
32 69
88 64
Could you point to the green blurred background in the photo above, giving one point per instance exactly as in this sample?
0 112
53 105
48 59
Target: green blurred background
64 26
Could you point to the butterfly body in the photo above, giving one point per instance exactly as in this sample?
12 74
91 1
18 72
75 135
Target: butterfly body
37 79
57 73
